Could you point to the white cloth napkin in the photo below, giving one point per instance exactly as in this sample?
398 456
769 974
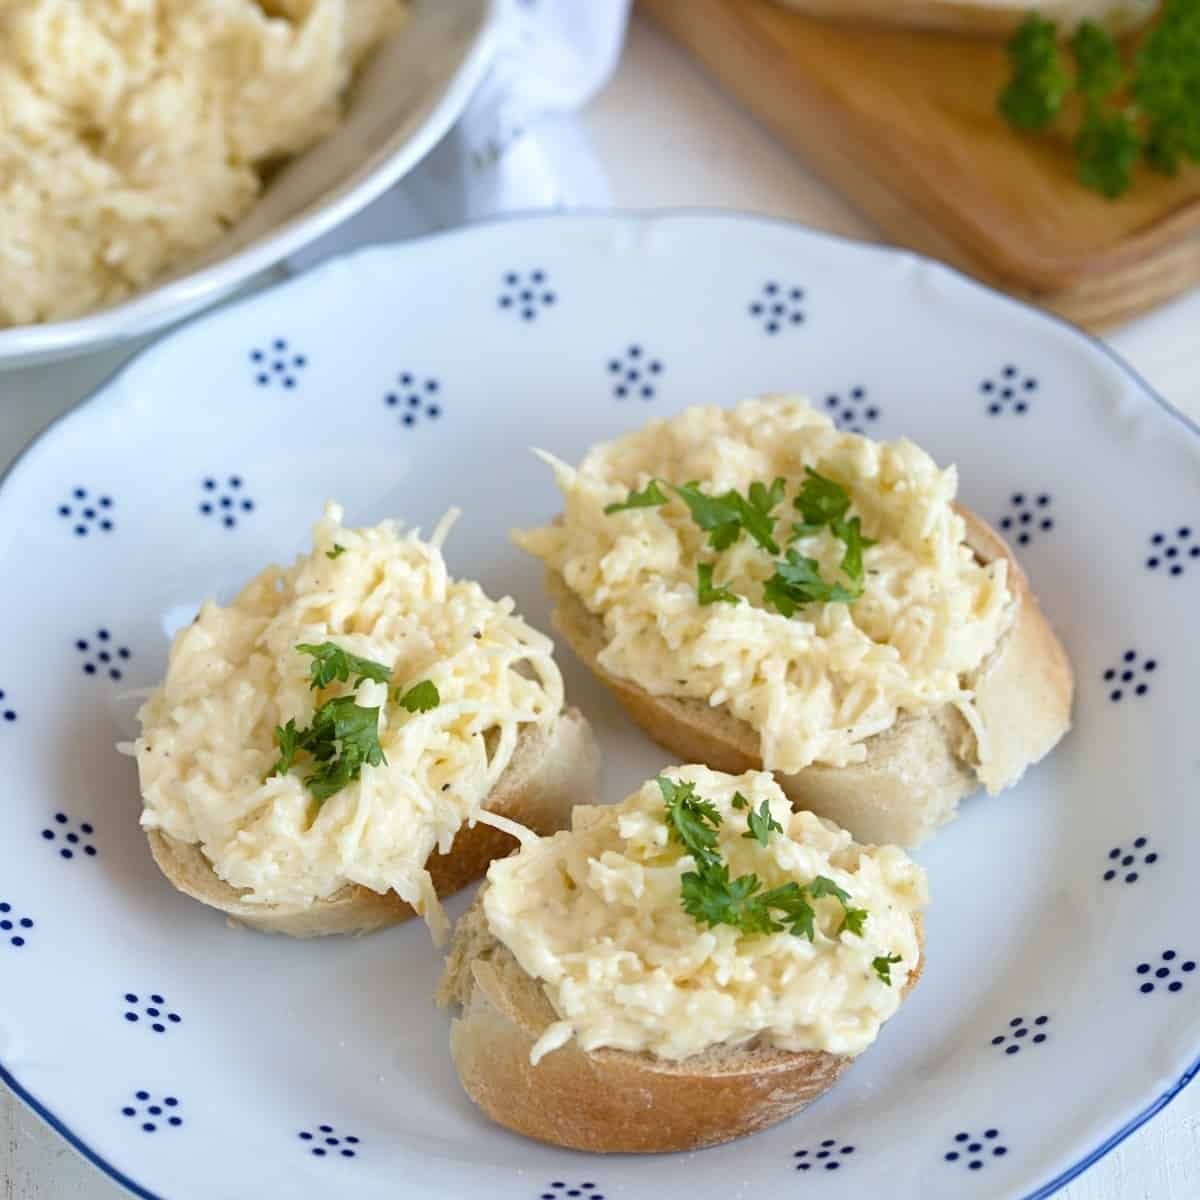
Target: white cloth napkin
517 146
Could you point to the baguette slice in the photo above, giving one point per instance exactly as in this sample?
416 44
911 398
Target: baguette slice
552 769
608 1101
981 16
916 772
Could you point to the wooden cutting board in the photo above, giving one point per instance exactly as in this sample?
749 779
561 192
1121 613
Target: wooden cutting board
904 124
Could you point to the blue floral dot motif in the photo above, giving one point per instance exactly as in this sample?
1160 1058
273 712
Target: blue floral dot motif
975 1150
225 500
153 1115
852 411
277 363
1130 677
1021 1033
151 1011
102 655
777 306
1029 513
14 928
70 839
829 1156
414 399
85 513
634 373
525 294
1009 391
558 1188
8 716
325 1142
1165 974
1123 864
1171 550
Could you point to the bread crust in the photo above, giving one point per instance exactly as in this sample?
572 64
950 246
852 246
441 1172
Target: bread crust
609 1101
552 769
916 772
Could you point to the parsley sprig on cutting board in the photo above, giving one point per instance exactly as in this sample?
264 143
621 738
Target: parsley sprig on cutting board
1143 106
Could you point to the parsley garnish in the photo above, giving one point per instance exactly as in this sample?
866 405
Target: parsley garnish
421 697
1147 109
691 820
649 497
762 824
337 551
331 662
706 593
343 738
739 801
820 501
853 920
287 738
851 535
797 580
719 516
883 966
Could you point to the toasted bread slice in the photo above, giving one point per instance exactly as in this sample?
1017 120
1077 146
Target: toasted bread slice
981 16
552 769
916 772
608 1101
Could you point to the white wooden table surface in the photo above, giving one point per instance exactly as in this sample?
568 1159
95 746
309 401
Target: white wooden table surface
669 138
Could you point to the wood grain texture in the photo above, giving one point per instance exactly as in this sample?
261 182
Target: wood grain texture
903 123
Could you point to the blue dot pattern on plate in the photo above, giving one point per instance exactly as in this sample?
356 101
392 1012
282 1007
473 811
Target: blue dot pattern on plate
225 499
828 1156
634 373
974 1151
14 928
1123 864
277 364
101 655
1168 973
777 306
70 838
150 1010
326 1142
1029 513
8 715
153 1114
1171 550
414 398
1021 1033
1009 391
1131 677
851 411
558 1188
526 293
84 513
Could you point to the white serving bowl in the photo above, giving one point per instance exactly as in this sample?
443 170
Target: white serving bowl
411 92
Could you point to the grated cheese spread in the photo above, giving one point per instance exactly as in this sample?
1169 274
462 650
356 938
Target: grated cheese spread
234 674
595 914
815 685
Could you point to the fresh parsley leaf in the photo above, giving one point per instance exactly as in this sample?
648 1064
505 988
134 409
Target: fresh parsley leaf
853 920
706 593
342 739
757 518
331 662
798 915
287 738
851 535
739 801
336 552
797 581
764 498
1034 96
650 496
1100 69
710 896
1166 85
821 501
421 697
762 825
719 516
692 821
824 886
804 530
1108 148
883 967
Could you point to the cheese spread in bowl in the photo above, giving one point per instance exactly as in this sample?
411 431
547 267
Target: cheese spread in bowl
816 680
213 733
596 914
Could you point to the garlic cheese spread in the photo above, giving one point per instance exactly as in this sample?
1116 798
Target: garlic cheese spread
207 741
814 685
595 914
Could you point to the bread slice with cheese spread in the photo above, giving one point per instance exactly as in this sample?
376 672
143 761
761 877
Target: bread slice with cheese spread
552 769
609 1100
915 773
980 16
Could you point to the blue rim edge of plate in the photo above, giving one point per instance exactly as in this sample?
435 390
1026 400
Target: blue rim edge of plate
643 216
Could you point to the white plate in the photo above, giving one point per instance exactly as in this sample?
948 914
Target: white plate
410 93
1058 1009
